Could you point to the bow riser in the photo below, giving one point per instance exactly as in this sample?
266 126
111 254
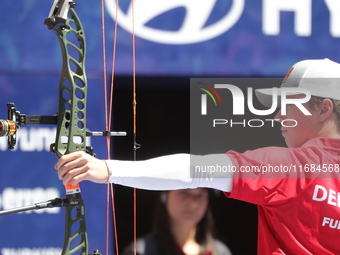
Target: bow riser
72 90
71 124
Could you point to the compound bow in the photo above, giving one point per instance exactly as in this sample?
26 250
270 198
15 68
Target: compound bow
70 120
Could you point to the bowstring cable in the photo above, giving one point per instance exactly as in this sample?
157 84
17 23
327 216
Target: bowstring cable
108 120
111 188
135 144
114 58
108 116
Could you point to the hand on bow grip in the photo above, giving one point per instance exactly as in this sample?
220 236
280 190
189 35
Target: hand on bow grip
80 166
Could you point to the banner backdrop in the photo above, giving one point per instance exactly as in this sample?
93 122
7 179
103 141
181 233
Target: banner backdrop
175 37
182 37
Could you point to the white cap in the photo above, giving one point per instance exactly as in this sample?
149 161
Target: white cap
321 77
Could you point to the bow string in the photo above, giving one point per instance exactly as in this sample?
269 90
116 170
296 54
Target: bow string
136 146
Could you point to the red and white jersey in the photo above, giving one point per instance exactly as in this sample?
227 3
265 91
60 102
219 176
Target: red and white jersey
297 191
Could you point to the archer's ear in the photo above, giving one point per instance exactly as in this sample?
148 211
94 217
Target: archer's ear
326 109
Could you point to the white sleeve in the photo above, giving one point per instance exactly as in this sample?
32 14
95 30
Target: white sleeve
178 171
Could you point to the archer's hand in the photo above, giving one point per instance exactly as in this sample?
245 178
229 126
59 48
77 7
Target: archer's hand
79 166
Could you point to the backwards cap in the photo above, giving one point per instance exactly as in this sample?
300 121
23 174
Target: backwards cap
321 77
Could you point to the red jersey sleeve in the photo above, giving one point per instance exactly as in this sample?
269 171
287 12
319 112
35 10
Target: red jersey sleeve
269 176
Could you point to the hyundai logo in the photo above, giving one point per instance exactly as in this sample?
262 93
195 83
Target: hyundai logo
195 23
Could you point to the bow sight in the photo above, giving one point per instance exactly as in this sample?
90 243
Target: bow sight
10 126
15 119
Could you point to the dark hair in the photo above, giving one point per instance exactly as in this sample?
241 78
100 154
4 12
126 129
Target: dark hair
164 237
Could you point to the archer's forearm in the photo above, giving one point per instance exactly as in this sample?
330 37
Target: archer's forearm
170 172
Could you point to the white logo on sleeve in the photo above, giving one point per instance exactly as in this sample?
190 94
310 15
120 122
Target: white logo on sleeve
331 197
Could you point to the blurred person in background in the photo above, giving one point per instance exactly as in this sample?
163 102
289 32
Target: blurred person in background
183 225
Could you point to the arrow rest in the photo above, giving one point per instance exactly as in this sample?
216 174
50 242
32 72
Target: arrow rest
96 252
